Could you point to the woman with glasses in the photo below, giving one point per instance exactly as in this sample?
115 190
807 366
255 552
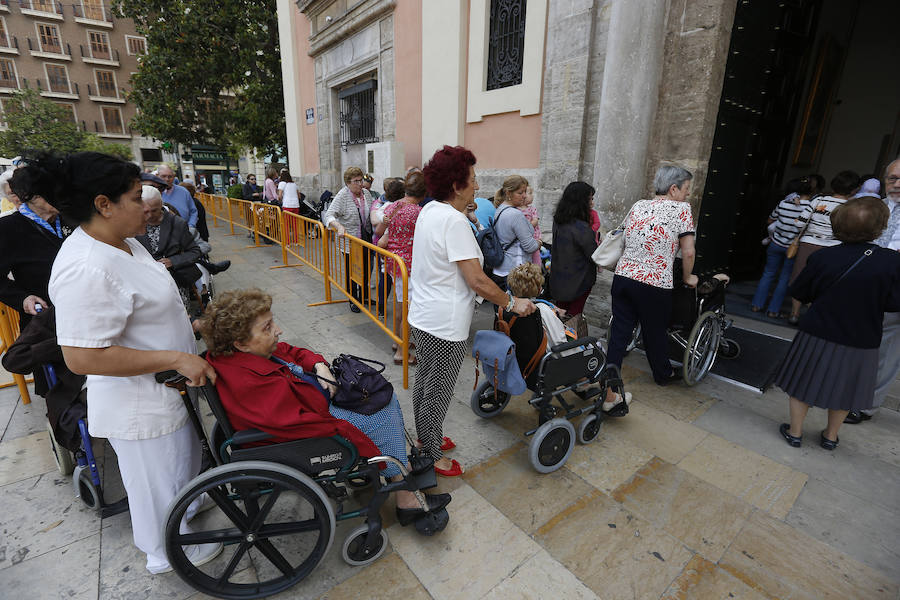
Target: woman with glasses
348 214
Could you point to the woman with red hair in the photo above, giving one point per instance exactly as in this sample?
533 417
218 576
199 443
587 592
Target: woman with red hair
447 277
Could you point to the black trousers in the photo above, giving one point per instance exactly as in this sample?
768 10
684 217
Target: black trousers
634 302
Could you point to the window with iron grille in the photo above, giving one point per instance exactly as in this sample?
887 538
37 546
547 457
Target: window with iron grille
8 74
49 38
57 79
358 114
112 120
106 84
99 43
506 43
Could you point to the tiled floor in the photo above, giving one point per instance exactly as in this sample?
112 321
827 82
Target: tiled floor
692 495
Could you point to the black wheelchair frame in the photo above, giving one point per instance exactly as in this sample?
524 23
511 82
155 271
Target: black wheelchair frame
246 485
578 372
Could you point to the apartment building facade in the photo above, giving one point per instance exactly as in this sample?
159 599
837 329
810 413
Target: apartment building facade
80 56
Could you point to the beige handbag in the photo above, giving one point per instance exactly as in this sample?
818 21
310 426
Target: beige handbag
611 247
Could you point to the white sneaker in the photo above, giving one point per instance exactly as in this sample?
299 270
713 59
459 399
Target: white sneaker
199 555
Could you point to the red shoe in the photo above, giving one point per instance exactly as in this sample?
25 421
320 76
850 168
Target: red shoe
447 445
454 471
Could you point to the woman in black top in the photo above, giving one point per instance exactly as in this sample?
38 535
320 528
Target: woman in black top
833 360
572 272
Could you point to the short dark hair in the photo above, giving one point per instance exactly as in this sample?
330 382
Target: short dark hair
394 190
860 220
818 182
575 204
449 166
415 185
845 182
800 185
70 183
286 176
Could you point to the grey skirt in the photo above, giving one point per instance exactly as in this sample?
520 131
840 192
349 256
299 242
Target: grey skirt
828 375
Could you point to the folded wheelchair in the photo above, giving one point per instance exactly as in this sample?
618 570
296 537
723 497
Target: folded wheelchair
277 505
578 366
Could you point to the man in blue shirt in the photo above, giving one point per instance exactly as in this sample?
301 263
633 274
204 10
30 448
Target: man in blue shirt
178 197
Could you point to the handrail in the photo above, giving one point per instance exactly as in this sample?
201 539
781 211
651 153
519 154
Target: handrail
9 331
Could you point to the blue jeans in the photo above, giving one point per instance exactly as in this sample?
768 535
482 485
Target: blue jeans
776 260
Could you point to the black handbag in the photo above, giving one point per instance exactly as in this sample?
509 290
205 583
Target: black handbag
360 387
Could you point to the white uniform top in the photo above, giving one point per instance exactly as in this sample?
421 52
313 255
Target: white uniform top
106 297
441 302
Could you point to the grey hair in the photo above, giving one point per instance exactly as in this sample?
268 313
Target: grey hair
669 175
888 168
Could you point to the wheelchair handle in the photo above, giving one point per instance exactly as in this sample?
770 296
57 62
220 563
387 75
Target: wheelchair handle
171 378
574 344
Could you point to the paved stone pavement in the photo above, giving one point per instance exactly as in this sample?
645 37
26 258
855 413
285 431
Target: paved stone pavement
693 495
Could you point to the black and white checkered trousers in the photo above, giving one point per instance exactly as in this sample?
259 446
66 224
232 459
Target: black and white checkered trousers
439 362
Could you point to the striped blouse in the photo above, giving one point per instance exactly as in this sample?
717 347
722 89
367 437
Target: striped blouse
786 216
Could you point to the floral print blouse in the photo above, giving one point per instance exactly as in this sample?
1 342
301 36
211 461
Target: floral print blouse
652 233
400 232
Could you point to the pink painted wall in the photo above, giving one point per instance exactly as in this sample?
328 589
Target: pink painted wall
408 78
307 77
505 141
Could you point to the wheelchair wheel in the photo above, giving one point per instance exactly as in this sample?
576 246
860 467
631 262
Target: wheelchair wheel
633 343
551 445
87 491
485 403
702 347
729 348
354 552
589 428
268 515
65 462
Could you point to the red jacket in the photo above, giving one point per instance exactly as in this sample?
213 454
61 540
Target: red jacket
259 393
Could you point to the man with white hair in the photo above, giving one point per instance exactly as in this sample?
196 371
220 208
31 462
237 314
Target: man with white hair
169 240
178 197
889 351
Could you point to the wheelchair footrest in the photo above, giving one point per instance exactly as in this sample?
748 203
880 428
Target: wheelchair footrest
433 522
422 480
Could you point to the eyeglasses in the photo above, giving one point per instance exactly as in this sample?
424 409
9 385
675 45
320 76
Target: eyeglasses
892 179
356 181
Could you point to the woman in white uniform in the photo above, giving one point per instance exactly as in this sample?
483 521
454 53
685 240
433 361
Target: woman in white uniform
119 321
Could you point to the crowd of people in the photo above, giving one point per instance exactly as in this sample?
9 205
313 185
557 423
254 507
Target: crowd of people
114 250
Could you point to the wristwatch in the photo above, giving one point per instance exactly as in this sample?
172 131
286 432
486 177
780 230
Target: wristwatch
509 306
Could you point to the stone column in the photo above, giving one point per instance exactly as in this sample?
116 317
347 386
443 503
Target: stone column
291 83
631 76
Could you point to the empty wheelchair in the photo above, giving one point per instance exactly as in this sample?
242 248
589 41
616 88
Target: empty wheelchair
699 322
578 366
277 505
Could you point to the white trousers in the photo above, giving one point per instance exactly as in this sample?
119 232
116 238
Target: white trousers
888 359
153 471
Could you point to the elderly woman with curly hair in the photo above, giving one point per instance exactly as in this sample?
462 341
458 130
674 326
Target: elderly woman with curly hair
284 390
349 214
448 275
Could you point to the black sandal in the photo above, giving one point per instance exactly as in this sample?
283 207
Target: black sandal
828 444
790 439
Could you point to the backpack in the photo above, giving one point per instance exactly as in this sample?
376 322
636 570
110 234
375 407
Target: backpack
490 245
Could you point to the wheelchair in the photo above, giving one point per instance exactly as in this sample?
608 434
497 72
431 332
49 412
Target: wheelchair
699 322
278 504
578 366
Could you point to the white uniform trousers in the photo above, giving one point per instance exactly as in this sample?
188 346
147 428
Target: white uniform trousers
153 471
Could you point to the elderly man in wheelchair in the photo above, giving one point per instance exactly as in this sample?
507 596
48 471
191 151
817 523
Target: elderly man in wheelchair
285 452
537 352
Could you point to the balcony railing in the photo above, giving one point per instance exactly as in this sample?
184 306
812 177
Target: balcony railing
41 7
9 42
108 55
34 46
9 83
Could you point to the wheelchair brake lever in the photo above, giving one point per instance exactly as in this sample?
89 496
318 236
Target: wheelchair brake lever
170 378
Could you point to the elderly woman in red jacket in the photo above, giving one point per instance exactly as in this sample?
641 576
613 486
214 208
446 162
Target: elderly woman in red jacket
272 386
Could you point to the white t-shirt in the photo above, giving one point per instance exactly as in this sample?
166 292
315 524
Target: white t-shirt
818 211
290 198
441 302
106 297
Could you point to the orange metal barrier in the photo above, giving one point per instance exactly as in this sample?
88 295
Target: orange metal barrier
341 262
9 331
349 263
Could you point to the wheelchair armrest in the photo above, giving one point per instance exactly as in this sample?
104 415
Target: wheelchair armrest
248 436
585 341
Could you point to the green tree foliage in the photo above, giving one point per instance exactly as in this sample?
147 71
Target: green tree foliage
35 124
212 73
